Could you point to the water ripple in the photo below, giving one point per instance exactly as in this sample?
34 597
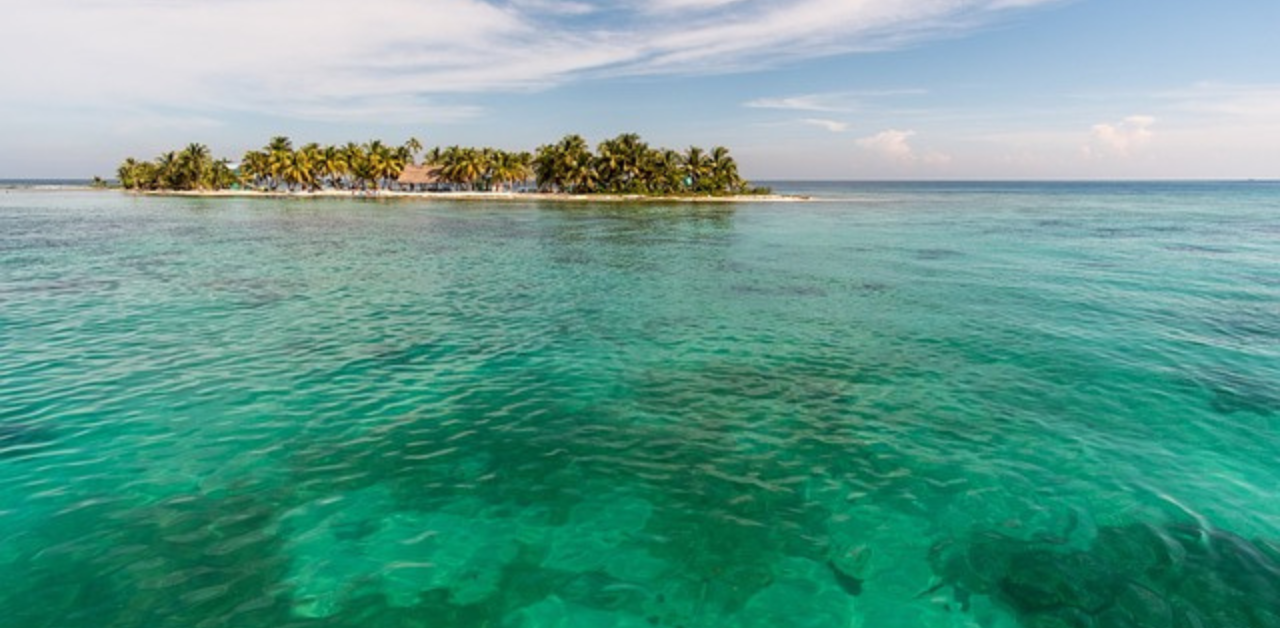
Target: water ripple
269 413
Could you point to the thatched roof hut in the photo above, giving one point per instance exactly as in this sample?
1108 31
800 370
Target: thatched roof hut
425 174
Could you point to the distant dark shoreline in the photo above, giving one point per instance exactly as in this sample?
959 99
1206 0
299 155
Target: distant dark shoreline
45 183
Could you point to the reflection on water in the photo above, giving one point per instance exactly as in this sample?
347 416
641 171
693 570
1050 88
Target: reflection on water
947 405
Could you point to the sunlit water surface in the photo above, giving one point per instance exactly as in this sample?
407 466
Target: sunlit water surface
903 405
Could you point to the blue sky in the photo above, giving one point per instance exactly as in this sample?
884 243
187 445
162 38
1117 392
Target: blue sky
824 89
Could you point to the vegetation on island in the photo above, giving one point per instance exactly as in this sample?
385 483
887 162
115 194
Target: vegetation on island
622 165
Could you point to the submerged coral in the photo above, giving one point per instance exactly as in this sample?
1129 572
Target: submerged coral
1135 575
22 439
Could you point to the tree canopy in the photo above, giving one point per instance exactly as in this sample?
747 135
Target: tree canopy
625 164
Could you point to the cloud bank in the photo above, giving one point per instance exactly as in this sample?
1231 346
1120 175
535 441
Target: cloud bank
400 59
894 146
1122 138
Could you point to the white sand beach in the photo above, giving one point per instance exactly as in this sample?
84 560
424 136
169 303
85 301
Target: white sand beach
483 196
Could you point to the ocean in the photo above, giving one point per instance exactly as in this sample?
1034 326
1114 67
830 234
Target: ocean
985 405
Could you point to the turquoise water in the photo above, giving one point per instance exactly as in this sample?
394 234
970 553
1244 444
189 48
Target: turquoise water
954 405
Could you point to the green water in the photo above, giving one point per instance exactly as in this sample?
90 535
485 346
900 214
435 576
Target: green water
906 405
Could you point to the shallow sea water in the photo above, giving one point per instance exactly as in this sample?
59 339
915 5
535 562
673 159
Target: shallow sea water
956 405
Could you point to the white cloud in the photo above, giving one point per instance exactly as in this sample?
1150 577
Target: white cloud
560 7
893 145
1012 4
665 6
294 58
834 126
809 102
843 102
1122 138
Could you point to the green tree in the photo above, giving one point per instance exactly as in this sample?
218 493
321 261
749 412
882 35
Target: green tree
255 169
508 168
624 164
167 175
432 157
697 169
411 148
381 163
308 159
294 169
332 166
194 168
463 166
566 166
620 164
279 158
279 143
131 174
222 176
724 172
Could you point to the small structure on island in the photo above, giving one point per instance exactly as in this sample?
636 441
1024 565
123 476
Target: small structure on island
424 177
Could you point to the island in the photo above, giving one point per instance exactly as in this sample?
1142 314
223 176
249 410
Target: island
621 168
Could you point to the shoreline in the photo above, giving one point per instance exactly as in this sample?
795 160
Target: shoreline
479 196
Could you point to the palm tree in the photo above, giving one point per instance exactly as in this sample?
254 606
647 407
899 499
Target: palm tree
724 171
221 175
521 168
358 165
432 157
279 143
382 162
411 147
576 159
620 164
566 165
193 168
331 165
167 171
130 174
508 168
463 166
673 175
448 159
376 154
393 163
309 158
295 169
546 169
139 175
255 168
697 168
623 164
279 157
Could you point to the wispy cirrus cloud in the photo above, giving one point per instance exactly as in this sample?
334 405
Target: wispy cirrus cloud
665 6
555 7
808 102
408 56
1227 100
830 102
